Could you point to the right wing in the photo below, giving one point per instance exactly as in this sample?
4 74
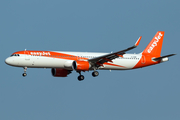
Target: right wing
99 61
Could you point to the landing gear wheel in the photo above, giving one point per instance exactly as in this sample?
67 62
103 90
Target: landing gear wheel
95 73
81 77
24 74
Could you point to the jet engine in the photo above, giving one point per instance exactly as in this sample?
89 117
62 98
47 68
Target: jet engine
58 72
81 65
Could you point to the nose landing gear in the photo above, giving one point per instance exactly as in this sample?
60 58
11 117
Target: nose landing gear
24 74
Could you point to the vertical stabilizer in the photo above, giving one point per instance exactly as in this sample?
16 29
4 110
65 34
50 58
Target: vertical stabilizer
155 46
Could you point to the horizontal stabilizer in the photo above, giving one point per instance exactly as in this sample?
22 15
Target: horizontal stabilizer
160 58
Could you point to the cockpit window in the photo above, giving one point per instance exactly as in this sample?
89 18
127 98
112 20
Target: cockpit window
15 55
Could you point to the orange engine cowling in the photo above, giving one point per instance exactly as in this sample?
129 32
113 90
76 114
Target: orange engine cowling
58 72
81 65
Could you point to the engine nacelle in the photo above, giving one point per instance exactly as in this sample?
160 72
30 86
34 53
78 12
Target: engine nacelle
165 59
81 65
58 72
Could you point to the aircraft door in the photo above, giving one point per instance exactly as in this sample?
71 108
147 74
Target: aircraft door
143 59
27 57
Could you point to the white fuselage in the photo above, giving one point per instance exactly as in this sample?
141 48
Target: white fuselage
128 61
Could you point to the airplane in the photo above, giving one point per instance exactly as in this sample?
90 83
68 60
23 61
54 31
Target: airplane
63 63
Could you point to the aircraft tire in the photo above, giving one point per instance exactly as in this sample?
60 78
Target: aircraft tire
95 73
24 74
81 77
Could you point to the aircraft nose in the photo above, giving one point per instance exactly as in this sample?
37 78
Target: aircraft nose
8 61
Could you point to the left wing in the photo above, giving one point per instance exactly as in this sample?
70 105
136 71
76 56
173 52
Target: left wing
99 61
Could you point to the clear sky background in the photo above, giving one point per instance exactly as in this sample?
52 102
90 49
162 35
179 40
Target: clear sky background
151 93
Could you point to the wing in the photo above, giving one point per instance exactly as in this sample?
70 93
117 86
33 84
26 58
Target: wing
98 61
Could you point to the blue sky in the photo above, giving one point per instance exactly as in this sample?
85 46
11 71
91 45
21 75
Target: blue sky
150 93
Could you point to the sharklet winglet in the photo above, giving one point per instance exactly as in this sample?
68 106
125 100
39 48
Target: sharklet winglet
138 41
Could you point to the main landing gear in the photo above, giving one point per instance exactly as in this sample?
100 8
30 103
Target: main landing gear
95 73
81 77
24 74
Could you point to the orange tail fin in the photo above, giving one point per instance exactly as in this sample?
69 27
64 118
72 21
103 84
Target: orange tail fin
154 47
